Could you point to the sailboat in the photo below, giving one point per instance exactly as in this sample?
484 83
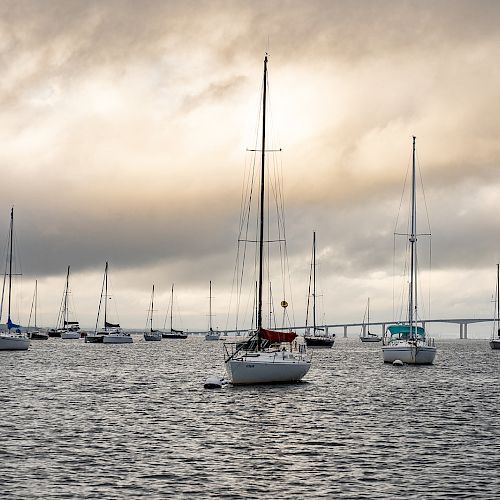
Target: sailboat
366 335
268 355
211 334
495 340
111 333
152 335
67 329
173 333
12 339
408 342
315 339
35 334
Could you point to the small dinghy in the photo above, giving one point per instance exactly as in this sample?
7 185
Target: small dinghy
214 382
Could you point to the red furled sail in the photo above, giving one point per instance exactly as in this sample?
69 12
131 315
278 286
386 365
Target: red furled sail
275 336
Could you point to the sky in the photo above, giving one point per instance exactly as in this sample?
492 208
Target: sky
124 127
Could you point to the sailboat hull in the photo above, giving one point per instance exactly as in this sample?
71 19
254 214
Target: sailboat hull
38 336
319 341
117 338
266 368
495 343
409 353
70 335
14 342
373 338
212 336
152 336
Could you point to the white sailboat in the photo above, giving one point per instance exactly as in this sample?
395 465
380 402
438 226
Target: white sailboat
173 333
408 342
495 334
35 333
12 339
366 335
268 355
318 338
211 334
152 335
111 333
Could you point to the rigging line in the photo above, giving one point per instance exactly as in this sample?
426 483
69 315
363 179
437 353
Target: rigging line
309 292
423 192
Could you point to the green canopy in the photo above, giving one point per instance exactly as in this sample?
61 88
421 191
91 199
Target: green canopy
405 330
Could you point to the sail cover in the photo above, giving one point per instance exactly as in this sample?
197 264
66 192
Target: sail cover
71 322
111 325
275 336
11 325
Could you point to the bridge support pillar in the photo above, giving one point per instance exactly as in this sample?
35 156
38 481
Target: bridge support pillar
383 329
345 332
465 330
461 330
364 330
326 330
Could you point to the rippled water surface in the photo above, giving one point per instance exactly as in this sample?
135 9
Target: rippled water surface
133 421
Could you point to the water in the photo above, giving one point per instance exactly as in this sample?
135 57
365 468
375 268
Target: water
133 421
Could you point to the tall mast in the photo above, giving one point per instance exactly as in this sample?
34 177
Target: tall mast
36 298
10 262
314 282
498 299
171 306
261 229
210 308
65 313
152 305
412 302
368 311
106 296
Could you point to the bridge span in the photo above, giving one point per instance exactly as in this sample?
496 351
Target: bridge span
361 327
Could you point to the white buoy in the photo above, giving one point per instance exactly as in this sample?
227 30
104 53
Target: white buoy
214 382
397 362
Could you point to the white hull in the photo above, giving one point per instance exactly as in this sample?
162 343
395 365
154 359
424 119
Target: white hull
495 343
267 368
409 353
70 335
10 342
212 336
117 338
152 336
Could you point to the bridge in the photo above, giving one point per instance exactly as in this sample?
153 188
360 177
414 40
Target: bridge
462 322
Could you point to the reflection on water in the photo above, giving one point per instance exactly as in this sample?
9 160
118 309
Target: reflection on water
131 421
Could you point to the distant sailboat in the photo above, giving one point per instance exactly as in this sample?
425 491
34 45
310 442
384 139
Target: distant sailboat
407 342
35 334
67 329
151 335
366 335
495 334
315 339
211 334
173 333
12 339
111 333
267 356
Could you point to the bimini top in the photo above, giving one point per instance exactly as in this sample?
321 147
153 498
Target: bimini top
404 330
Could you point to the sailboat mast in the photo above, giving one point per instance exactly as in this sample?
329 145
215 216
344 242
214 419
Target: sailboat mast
10 262
498 299
152 305
210 308
36 298
171 307
65 313
413 278
314 282
106 297
261 229
368 314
